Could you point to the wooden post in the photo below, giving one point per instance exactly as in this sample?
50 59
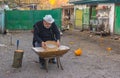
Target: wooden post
18 56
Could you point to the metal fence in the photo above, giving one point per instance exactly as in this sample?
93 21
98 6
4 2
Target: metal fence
24 20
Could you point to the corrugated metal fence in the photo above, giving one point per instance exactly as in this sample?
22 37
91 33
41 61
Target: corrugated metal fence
24 20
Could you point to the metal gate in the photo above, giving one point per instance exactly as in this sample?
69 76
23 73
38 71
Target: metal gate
24 20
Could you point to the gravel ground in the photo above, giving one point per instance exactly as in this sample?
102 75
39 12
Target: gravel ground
95 62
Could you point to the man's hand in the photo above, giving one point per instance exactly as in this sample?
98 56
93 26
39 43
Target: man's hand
58 43
43 45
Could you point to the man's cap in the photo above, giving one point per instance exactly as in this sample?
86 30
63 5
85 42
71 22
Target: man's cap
48 18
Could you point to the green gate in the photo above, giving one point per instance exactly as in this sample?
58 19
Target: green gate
24 20
117 20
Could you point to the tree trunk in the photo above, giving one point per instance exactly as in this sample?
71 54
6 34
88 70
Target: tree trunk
18 56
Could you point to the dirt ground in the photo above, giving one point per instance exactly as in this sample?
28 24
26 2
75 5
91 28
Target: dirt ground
95 61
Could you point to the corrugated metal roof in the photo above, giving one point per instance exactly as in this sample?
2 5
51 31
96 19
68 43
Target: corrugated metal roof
94 1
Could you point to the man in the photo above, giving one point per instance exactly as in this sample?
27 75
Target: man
45 30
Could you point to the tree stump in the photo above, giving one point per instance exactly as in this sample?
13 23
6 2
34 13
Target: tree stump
18 56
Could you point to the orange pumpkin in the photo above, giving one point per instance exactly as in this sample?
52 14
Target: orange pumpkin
78 52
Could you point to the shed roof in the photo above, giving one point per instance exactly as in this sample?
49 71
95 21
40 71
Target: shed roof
94 1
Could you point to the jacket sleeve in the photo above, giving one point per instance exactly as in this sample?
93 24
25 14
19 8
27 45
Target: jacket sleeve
56 31
36 34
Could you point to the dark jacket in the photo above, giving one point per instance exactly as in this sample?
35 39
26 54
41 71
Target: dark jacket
43 34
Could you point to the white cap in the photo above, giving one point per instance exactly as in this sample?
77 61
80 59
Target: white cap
48 18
